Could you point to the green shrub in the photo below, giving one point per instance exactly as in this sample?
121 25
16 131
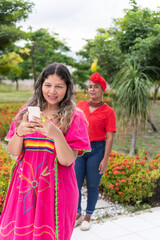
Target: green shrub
130 180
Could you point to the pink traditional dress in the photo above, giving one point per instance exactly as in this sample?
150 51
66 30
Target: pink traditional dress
42 199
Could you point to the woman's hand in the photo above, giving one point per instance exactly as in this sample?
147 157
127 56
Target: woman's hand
26 127
109 142
103 166
47 128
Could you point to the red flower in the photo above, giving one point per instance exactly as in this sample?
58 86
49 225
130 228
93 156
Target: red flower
115 172
123 180
142 162
111 186
153 167
120 193
112 154
118 163
131 160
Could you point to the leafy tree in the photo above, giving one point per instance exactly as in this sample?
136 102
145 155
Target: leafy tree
12 12
9 66
136 23
131 37
138 34
147 52
43 49
81 75
106 50
131 103
9 62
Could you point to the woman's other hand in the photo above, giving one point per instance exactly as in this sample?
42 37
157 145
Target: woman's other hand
103 166
46 128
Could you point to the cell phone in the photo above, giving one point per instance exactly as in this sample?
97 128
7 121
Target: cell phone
33 112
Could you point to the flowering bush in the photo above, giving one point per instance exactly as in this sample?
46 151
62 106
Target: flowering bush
5 170
130 180
7 113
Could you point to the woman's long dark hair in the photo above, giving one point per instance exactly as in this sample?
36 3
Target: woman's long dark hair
66 106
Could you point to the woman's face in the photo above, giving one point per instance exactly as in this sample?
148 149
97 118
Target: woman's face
54 89
95 91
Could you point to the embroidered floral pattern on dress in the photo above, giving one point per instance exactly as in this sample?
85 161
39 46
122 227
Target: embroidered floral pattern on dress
30 188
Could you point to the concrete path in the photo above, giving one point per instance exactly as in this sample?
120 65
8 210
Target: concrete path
144 225
140 226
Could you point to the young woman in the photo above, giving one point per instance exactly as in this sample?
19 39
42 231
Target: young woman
42 198
101 128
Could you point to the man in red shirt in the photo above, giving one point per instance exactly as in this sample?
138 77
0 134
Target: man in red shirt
101 128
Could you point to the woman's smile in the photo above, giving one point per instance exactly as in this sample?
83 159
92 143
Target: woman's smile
52 97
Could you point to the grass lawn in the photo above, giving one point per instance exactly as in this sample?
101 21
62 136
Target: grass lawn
15 96
147 140
8 94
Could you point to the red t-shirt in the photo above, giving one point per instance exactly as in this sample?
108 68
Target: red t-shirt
100 121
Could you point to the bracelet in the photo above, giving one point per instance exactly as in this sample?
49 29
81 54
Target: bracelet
18 135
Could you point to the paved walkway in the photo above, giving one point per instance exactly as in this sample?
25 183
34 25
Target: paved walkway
139 226
144 225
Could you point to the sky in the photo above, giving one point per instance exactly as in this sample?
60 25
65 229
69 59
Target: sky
77 20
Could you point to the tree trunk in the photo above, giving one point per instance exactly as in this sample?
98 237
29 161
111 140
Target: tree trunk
155 93
17 86
133 144
152 124
34 76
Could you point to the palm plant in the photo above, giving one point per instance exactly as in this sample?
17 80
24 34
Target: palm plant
131 103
